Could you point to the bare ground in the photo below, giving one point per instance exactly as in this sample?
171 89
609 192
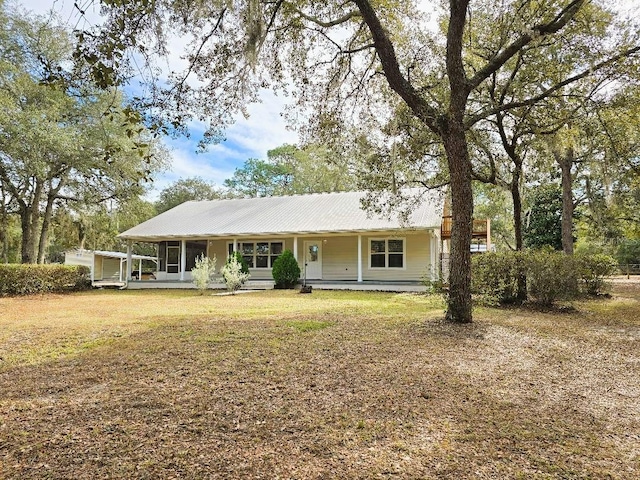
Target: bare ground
329 385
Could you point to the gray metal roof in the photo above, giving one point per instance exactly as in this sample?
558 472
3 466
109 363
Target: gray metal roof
296 214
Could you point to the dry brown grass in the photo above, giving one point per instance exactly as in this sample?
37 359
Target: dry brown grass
330 385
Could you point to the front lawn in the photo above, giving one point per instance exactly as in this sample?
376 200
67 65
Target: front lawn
152 384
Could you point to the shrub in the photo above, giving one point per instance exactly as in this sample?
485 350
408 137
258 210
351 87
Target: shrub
593 269
232 274
286 271
494 276
240 259
203 271
551 276
29 279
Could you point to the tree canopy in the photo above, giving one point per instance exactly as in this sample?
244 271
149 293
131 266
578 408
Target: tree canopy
63 142
354 62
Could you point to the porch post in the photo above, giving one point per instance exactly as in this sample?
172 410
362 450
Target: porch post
235 244
295 248
119 270
183 258
140 270
434 261
129 260
360 258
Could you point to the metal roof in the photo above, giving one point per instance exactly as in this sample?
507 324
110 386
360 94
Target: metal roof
104 253
296 214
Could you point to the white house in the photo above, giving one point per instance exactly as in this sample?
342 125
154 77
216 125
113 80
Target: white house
330 235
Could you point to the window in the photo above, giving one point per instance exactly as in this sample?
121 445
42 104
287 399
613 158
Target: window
386 253
259 254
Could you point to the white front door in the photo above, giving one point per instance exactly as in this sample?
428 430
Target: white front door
313 259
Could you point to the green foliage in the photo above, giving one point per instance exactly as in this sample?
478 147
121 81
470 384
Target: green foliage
290 170
203 271
543 226
628 252
286 271
593 269
233 274
184 190
494 276
551 276
30 279
244 266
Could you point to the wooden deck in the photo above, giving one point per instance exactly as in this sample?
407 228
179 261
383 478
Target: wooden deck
480 227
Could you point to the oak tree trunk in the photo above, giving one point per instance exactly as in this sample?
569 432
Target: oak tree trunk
459 302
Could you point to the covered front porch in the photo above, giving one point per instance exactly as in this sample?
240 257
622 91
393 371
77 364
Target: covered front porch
380 260
370 285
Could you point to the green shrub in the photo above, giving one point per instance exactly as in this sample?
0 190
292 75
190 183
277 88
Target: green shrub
593 269
29 279
494 276
286 271
551 276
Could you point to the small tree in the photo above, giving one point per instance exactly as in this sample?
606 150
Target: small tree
203 272
286 271
233 275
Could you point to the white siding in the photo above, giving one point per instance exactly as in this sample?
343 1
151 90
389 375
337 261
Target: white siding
417 260
340 258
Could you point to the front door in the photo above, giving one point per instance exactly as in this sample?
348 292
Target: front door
313 259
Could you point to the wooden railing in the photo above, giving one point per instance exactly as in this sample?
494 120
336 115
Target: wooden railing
480 227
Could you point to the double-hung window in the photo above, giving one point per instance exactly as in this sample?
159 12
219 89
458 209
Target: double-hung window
386 253
259 254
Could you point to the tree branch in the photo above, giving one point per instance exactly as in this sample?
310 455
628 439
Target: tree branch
549 91
536 32
331 23
391 67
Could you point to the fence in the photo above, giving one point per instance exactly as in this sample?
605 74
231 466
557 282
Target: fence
629 269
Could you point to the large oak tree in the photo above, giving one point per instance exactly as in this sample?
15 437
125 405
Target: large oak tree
341 60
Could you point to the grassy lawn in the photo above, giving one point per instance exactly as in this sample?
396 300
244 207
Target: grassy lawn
149 384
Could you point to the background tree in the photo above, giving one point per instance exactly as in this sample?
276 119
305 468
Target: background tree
543 225
345 60
183 190
290 170
61 140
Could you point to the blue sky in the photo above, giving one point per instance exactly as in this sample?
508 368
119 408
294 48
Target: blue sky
264 130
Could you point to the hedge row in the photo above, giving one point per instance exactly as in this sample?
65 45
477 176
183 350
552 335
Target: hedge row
29 279
549 275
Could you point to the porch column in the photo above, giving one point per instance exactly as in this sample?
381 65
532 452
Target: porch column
434 260
359 258
140 270
235 244
129 260
295 248
119 271
183 258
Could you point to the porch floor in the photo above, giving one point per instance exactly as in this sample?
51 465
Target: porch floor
369 285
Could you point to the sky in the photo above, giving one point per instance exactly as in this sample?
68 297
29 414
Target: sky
250 137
